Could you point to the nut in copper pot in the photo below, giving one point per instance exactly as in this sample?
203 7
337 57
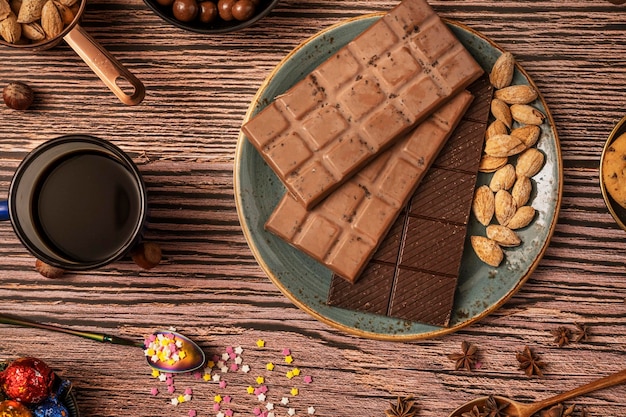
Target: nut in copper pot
38 25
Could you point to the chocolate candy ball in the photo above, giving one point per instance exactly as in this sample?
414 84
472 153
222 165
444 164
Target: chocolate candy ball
28 380
225 9
10 408
208 12
185 10
243 10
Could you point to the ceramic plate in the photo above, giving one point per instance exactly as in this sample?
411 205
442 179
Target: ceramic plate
481 289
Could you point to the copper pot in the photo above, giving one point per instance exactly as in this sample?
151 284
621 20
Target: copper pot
109 69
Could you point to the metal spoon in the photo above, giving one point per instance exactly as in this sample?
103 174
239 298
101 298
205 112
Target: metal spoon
194 355
515 409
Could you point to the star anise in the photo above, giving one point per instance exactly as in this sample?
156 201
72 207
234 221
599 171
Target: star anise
474 412
404 407
561 335
466 359
529 362
581 333
493 408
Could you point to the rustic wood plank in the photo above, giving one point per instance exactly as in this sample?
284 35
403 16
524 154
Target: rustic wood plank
183 137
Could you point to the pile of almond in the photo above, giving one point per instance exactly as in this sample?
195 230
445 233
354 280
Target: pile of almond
509 153
29 21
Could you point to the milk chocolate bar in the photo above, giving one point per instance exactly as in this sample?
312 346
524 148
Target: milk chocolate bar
344 230
356 103
413 274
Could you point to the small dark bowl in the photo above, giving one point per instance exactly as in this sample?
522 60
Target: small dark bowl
618 212
219 26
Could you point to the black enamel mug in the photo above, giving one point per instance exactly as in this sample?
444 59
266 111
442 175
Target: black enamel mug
77 202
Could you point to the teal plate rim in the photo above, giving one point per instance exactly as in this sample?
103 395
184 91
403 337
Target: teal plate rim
481 289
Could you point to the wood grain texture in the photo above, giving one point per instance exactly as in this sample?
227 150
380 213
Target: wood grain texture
183 137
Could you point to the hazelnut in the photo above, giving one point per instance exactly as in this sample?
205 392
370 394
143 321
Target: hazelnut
243 10
48 271
147 255
18 96
185 10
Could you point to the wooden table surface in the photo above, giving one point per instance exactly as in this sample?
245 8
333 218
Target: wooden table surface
209 286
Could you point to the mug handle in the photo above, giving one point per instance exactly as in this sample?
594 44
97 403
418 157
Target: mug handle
4 210
105 65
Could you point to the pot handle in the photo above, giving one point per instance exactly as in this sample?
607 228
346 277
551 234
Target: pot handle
4 210
109 69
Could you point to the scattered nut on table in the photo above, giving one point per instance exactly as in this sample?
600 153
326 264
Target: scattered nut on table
18 96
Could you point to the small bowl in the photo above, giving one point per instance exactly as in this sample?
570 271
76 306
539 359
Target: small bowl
618 212
219 25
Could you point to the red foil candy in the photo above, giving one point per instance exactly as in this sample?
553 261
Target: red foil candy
28 380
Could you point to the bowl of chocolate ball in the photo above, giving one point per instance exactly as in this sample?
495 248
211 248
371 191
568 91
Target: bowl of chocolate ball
212 16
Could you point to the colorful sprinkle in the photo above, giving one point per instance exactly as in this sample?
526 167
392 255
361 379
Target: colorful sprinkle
154 391
260 343
308 379
292 412
269 366
261 397
229 413
294 391
220 414
260 380
284 401
269 406
217 399
289 374
223 384
250 390
216 406
295 371
238 350
171 389
288 358
311 410
192 413
257 411
286 352
155 373
206 377
227 399
245 369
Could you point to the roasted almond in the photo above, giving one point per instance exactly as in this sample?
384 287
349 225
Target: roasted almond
503 145
528 134
497 127
529 163
526 114
33 31
5 9
502 71
30 10
521 191
504 207
51 20
503 178
483 205
516 94
522 218
501 111
10 29
67 15
503 236
490 163
487 250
